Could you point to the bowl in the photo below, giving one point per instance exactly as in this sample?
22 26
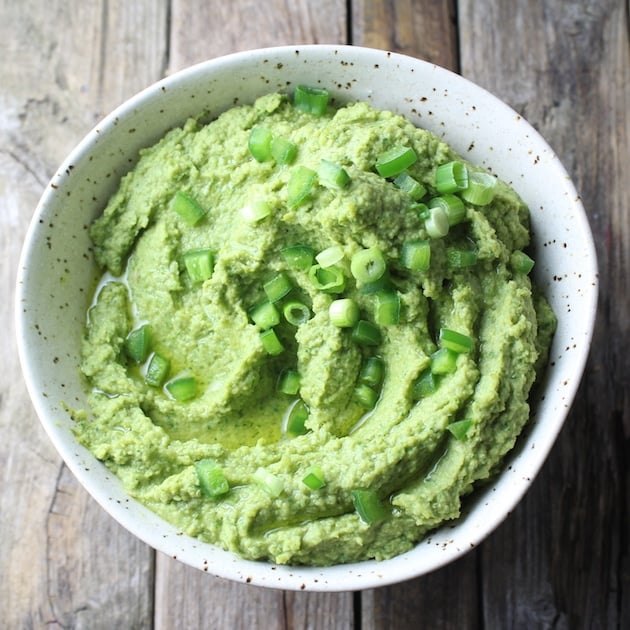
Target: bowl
57 272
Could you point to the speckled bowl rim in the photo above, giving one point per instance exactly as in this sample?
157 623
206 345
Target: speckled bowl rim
485 130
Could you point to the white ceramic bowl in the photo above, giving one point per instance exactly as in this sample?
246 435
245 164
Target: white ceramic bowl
56 274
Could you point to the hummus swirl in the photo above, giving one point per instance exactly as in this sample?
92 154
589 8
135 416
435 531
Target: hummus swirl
404 450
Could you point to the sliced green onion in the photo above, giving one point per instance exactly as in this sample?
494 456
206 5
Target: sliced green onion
182 388
395 160
271 483
310 99
452 205
187 208
329 280
444 361
199 264
329 256
422 209
211 479
270 342
332 175
455 341
344 313
416 255
289 382
481 189
265 315
368 265
365 396
410 185
276 288
425 385
372 371
436 223
256 211
451 177
298 256
460 258
138 344
259 143
521 262
314 478
296 313
387 308
296 420
460 428
369 288
366 333
301 182
157 370
283 151
369 506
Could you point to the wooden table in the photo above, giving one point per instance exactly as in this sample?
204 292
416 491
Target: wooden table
562 559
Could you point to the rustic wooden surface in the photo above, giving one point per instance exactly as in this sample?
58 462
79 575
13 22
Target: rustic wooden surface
562 560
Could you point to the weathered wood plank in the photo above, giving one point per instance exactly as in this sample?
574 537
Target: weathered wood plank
446 598
199 32
562 559
65 562
420 28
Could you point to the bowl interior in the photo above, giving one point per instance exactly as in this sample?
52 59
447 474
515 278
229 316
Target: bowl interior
57 272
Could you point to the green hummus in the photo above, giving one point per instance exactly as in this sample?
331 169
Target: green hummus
334 465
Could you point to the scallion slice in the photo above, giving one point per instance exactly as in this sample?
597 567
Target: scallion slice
311 99
451 177
443 361
211 478
365 333
410 185
187 208
344 312
327 280
387 308
270 342
314 478
330 256
259 143
289 382
296 419
182 388
296 313
395 160
271 483
372 371
436 224
459 429
521 262
368 265
455 341
365 396
369 506
138 344
157 370
301 182
481 189
416 255
256 211
199 264
298 256
452 205
265 315
283 151
276 288
460 258
332 175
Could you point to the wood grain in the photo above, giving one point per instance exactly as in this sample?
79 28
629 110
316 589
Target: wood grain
562 559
